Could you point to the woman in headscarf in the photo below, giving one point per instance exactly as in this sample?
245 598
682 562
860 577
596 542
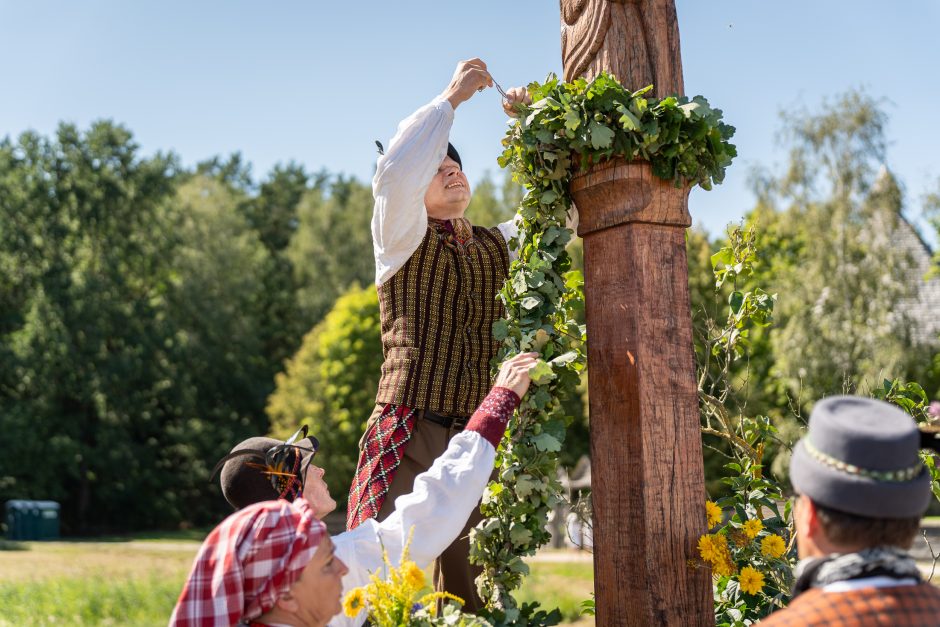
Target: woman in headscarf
271 563
434 512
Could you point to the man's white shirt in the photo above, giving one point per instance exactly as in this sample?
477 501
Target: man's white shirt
402 176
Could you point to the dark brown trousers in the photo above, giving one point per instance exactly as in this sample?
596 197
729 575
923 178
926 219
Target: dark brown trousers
452 571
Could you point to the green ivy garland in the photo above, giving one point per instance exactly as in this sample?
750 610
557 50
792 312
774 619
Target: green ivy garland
684 140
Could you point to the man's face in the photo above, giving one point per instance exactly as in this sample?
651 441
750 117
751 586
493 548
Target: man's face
449 192
317 593
317 493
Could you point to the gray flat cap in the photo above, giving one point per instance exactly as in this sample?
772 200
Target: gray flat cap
860 456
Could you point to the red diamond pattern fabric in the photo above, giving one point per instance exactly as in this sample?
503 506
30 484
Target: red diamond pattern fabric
381 455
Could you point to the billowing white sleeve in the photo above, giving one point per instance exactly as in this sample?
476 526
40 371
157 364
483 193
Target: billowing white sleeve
437 509
402 176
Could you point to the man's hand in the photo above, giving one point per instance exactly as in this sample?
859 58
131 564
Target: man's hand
469 77
516 95
514 373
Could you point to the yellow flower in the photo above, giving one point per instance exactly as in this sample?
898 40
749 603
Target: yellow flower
708 548
712 513
753 527
724 567
739 538
751 580
354 602
713 548
412 575
773 546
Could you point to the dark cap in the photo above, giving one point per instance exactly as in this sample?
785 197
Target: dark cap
860 456
453 154
247 475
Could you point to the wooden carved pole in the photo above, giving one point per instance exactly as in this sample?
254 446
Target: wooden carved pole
646 457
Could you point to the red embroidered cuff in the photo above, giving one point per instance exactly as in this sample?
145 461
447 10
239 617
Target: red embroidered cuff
493 414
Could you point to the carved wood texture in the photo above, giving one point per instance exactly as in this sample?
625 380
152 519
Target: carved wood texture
647 474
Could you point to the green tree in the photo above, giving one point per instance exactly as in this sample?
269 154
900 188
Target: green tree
827 224
332 248
85 221
330 384
490 205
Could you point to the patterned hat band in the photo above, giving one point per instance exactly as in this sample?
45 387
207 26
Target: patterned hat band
893 476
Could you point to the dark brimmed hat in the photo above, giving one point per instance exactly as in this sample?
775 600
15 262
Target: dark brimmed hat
860 456
453 154
264 469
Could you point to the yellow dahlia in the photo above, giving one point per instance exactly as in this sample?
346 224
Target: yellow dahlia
773 546
753 527
712 513
751 580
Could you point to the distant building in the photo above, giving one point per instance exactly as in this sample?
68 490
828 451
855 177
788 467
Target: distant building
924 310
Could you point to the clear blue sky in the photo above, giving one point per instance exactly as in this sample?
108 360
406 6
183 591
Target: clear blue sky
317 82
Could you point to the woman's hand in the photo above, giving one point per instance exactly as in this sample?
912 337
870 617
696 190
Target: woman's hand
514 373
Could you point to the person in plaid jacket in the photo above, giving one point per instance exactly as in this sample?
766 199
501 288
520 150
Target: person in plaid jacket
262 469
862 490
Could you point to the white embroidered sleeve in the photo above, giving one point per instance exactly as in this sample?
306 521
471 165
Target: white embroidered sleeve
437 508
402 176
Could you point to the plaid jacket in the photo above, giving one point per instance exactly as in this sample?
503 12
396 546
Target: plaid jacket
898 606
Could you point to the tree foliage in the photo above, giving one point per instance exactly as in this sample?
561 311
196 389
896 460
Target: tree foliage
330 384
828 240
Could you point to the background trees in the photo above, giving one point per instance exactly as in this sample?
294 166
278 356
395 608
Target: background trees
152 316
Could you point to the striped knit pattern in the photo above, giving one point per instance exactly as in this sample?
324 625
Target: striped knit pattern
437 317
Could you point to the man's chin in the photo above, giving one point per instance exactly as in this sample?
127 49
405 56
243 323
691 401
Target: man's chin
325 510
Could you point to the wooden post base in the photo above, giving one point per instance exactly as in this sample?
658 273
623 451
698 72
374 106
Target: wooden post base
646 456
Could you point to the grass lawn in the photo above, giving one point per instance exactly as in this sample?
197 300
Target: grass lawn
136 581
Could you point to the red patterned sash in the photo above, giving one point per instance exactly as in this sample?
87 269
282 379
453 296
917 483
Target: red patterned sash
381 455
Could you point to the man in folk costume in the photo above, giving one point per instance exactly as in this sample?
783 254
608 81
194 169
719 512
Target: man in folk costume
438 277
434 512
861 493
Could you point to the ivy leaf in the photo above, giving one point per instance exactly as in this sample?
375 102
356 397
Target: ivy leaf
574 279
541 398
565 358
524 486
628 121
530 302
601 136
541 373
546 442
519 535
572 120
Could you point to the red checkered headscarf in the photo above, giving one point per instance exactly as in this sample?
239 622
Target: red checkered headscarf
250 560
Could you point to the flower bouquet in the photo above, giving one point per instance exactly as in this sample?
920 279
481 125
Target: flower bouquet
404 598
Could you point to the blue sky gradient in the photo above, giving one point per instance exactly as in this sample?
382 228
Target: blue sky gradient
318 82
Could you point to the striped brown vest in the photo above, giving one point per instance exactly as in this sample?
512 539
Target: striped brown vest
437 316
